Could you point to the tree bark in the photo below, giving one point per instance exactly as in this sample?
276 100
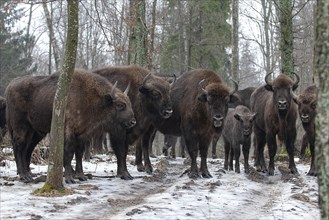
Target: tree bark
235 39
56 150
53 41
322 118
286 40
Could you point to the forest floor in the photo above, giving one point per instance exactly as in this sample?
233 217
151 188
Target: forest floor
166 194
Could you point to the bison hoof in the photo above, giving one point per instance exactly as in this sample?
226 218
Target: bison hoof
214 156
237 171
126 177
70 181
149 170
271 172
194 175
26 179
140 168
206 175
82 178
294 170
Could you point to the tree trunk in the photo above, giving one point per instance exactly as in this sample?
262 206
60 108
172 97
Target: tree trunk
56 150
235 39
286 40
322 119
53 41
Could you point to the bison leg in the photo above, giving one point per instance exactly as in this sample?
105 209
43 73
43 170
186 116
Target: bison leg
230 162
272 147
36 138
20 138
120 148
227 153
193 152
290 146
260 143
182 146
237 152
203 148
214 146
312 171
78 157
68 157
246 149
139 156
303 147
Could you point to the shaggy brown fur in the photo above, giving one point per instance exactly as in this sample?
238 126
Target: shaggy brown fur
3 128
307 102
276 115
149 95
200 100
93 106
237 131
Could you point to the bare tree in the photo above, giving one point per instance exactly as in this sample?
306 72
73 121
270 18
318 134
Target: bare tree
235 39
55 164
322 118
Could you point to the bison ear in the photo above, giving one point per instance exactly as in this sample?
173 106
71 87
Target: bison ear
202 97
143 90
237 117
234 99
108 99
268 87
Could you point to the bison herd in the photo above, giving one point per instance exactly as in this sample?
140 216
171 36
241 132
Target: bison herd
131 104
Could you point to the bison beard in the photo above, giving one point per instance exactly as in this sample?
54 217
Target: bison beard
276 115
94 105
150 99
200 103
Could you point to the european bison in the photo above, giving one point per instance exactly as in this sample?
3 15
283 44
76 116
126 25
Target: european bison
242 97
200 103
237 131
149 95
2 117
307 102
94 105
276 113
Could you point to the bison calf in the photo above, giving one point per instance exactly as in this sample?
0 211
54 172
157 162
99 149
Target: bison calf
307 102
94 105
237 131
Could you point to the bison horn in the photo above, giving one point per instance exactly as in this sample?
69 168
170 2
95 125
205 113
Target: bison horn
174 76
127 89
267 80
296 81
145 78
236 86
113 88
201 84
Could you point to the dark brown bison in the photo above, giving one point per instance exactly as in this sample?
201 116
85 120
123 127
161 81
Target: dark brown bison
94 105
307 102
149 95
237 131
276 114
3 126
241 97
200 103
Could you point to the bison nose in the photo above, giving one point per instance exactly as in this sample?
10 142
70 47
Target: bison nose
282 105
305 118
167 113
218 121
132 123
246 131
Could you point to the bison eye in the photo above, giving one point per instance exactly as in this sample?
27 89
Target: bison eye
313 105
120 106
156 95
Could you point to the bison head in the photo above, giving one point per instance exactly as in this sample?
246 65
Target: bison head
282 88
217 96
155 96
307 102
122 106
245 119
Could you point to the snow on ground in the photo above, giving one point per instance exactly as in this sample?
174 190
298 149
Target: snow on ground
166 194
